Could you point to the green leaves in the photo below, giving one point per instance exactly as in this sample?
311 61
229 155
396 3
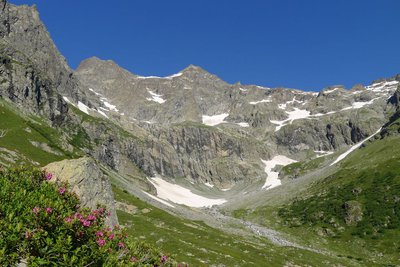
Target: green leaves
44 226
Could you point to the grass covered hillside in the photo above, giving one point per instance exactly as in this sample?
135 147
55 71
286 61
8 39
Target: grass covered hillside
354 212
29 139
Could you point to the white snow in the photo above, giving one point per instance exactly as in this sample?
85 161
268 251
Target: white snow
261 101
155 97
357 105
272 176
284 105
242 89
377 87
330 91
323 114
82 107
225 189
158 199
323 153
108 105
102 113
243 124
180 195
215 119
351 149
66 99
209 185
157 77
98 94
296 114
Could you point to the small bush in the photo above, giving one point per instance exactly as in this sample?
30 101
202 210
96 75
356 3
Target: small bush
43 223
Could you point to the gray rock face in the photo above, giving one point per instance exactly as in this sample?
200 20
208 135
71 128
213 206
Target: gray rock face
160 123
87 180
33 74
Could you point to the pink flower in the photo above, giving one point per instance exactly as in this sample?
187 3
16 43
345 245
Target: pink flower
78 216
36 210
48 176
133 259
27 234
48 210
111 236
85 223
108 214
99 233
101 242
121 245
91 217
68 220
61 190
164 258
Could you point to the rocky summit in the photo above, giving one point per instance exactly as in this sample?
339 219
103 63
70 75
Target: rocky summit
245 159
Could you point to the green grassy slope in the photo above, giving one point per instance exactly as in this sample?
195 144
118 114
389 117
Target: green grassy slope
29 139
200 245
354 212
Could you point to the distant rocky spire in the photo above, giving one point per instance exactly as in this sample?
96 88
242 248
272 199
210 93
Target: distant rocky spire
3 4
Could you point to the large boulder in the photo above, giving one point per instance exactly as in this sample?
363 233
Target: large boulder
87 180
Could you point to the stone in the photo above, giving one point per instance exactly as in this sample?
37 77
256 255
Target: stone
86 179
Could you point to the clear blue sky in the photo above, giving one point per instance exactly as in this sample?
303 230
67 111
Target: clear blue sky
301 44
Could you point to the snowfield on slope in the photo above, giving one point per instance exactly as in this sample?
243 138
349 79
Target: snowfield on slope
351 149
215 119
155 97
272 179
181 195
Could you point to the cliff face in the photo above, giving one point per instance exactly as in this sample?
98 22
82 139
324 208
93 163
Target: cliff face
190 124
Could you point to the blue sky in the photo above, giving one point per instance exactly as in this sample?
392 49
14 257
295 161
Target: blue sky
300 44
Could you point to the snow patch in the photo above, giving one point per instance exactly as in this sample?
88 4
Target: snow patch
215 119
102 113
284 105
323 153
155 97
180 195
66 99
82 107
109 105
330 91
98 94
383 87
296 114
357 105
272 176
158 199
261 101
345 154
209 185
243 124
157 77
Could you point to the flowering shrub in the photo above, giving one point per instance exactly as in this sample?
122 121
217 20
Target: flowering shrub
43 223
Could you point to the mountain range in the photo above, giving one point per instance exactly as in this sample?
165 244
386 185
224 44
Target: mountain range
289 174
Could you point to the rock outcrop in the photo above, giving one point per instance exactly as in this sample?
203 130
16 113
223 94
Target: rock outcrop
86 179
191 124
